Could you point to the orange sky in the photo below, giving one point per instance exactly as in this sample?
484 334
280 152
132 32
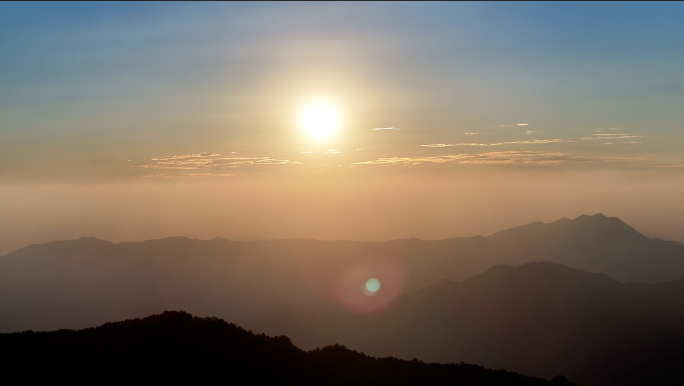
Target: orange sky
344 205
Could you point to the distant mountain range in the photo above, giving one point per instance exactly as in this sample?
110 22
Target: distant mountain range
538 319
431 299
85 282
177 347
596 244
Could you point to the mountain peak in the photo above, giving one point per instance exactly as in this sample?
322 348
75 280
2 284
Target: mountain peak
595 243
596 215
594 226
599 218
601 225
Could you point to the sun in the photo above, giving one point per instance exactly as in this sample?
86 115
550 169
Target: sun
320 120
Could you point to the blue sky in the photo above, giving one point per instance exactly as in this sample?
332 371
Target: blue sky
105 70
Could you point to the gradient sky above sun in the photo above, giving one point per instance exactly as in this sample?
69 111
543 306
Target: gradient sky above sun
417 95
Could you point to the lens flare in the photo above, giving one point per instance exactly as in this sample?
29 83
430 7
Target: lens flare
373 285
357 287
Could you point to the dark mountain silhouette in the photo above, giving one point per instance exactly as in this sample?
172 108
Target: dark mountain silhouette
85 282
538 319
175 346
596 244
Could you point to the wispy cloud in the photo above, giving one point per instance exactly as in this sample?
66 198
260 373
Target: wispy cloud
517 124
385 128
529 132
602 129
187 156
190 175
186 161
595 137
333 151
455 144
663 166
503 157
611 135
208 161
471 133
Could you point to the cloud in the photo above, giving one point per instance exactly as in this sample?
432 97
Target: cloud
455 144
529 132
190 175
187 161
333 151
188 156
503 157
611 135
517 124
208 161
540 141
601 129
385 128
663 166
471 133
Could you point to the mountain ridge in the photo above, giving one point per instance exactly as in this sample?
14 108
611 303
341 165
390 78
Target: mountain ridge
597 244
176 346
72 284
590 220
536 318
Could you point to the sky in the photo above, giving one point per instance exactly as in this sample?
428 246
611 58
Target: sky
131 121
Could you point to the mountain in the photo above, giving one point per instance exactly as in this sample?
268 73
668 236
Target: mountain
175 346
247 238
537 319
85 282
596 244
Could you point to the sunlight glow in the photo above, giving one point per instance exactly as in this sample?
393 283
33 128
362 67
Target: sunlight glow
320 120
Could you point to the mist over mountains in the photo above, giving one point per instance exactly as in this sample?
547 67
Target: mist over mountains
611 314
538 319
85 282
